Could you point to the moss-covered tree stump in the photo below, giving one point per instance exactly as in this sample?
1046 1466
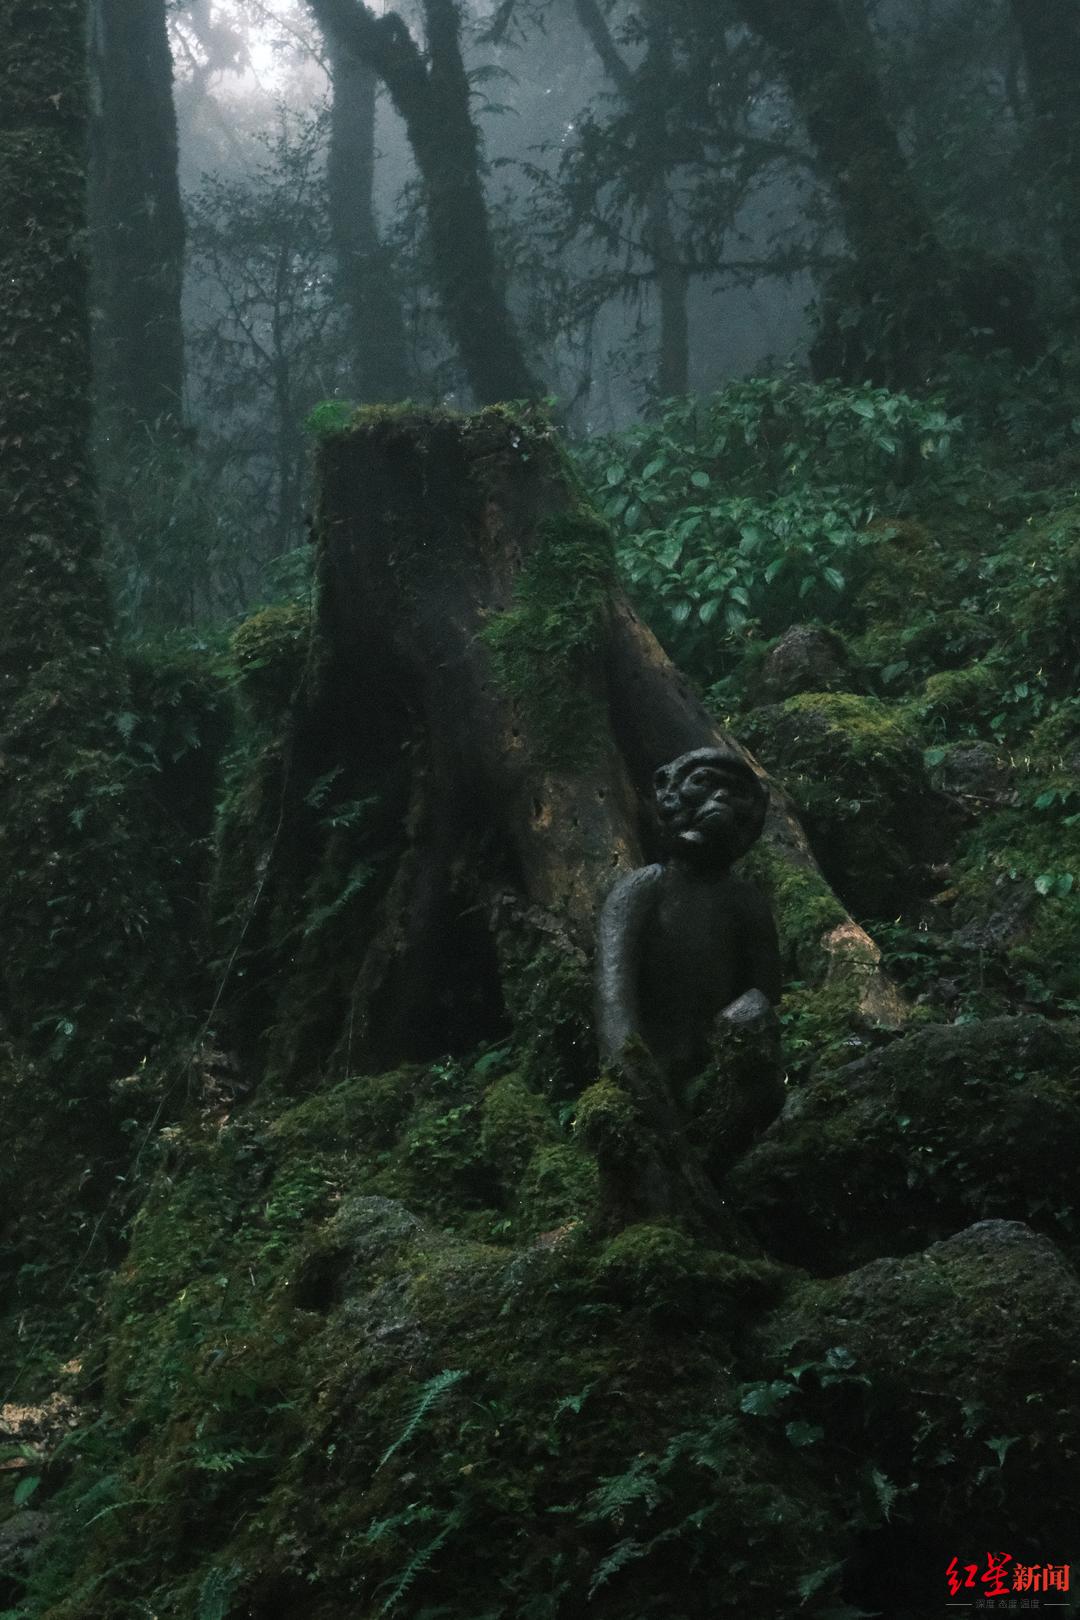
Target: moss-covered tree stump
468 602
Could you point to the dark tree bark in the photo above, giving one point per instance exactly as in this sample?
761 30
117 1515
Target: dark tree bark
913 300
80 911
640 93
137 221
469 603
379 358
467 593
1050 35
430 90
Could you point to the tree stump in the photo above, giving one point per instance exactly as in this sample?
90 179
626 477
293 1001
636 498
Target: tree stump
468 601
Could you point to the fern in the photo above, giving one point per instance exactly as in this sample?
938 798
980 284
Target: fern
623 1553
617 1492
420 1559
215 1594
358 879
429 1394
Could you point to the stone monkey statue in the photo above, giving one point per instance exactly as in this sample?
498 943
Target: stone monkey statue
688 961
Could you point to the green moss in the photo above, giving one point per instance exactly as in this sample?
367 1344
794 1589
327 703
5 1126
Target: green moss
659 1270
854 766
560 1184
969 694
513 1124
607 1121
805 907
269 651
543 648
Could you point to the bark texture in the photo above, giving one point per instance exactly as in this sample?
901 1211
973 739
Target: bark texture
379 356
137 221
469 595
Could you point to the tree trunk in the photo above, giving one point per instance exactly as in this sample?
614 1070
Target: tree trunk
379 357
432 96
1050 35
137 222
639 89
470 597
82 920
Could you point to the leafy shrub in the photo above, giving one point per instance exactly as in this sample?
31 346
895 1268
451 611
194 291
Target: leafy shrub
752 507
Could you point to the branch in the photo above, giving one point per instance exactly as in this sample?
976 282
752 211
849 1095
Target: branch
384 43
595 25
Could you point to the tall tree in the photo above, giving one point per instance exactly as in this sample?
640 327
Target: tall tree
79 909
430 89
905 298
1050 35
137 221
643 92
379 358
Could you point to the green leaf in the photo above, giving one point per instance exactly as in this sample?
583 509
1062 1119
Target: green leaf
656 465
25 1489
835 578
615 474
1000 1446
1045 882
700 479
762 1400
804 1434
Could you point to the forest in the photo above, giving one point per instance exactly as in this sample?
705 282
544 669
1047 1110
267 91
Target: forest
424 421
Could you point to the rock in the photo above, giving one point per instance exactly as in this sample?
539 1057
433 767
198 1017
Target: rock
854 766
975 771
948 1124
805 659
961 1366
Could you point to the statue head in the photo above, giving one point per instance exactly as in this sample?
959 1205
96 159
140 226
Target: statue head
711 806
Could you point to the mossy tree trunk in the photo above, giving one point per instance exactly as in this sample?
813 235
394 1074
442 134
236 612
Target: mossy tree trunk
137 220
468 600
431 91
379 357
79 909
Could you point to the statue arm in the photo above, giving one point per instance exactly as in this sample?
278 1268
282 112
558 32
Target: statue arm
623 921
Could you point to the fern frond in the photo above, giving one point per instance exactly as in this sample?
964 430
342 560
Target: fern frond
429 1394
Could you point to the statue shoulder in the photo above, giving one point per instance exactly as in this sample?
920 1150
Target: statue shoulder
632 890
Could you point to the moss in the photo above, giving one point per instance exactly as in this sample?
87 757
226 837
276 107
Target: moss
854 767
659 1270
269 650
948 1125
543 648
513 1124
560 1184
607 1121
805 907
969 694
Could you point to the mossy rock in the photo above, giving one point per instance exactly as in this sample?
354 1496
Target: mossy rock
658 1269
946 1125
1015 897
854 767
953 1372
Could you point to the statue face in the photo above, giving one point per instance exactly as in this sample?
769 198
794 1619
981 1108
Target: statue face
711 805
